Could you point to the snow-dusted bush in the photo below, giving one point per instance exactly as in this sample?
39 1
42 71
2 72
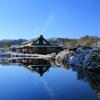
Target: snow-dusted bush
79 58
86 58
93 58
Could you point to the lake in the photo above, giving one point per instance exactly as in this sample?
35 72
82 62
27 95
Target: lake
36 79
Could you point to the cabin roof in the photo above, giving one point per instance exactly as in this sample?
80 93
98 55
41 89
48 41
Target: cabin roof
40 43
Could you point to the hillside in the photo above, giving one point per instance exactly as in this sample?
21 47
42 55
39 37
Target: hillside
83 41
7 43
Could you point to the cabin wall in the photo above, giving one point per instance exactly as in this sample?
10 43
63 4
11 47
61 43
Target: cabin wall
42 50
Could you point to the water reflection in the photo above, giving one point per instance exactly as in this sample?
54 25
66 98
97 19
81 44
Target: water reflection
38 65
92 76
41 66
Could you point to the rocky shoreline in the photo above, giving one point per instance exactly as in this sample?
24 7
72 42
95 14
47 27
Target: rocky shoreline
82 57
85 58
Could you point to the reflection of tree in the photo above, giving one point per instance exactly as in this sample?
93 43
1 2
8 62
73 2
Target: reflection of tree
92 76
94 81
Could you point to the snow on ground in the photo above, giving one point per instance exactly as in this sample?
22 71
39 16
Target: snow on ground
21 55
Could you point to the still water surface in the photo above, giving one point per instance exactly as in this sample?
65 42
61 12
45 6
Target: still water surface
18 81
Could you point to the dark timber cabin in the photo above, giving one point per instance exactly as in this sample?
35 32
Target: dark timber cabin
40 46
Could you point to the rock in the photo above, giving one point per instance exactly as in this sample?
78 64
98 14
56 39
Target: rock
64 56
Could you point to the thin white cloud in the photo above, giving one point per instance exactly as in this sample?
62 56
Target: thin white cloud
47 23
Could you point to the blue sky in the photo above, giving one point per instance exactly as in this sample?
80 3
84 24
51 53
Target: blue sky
52 18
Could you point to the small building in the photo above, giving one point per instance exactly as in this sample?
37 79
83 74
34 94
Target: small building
40 46
14 48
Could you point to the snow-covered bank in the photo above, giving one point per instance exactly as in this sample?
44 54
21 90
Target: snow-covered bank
4 54
22 55
40 56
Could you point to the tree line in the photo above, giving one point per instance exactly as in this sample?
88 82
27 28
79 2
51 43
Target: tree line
83 41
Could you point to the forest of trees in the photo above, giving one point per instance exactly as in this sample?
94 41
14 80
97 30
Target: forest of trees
7 43
83 41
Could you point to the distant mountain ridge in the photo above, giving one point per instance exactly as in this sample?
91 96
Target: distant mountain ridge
7 42
83 41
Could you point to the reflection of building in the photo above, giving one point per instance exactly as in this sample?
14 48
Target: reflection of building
40 69
40 46
38 65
